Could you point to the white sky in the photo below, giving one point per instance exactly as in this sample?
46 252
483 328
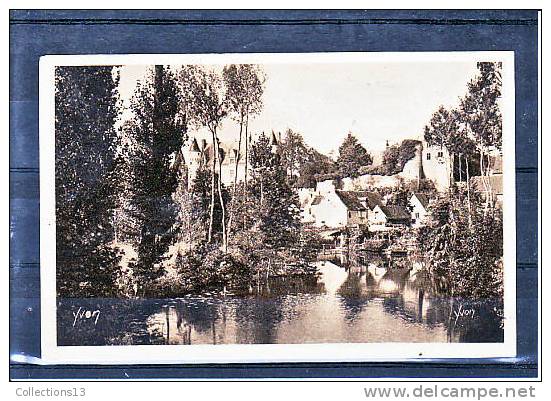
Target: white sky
374 101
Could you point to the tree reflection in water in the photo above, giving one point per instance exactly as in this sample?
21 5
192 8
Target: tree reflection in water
357 299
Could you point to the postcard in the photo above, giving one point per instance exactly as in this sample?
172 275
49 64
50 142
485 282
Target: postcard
277 207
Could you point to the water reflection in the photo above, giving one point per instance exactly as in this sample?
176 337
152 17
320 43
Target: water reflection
359 299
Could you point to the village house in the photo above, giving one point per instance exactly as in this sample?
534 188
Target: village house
338 209
388 217
328 207
419 208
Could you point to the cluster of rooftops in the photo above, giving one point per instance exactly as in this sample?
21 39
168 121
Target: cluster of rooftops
360 207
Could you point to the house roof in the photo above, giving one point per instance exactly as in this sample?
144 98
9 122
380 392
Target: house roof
423 199
372 199
395 212
350 200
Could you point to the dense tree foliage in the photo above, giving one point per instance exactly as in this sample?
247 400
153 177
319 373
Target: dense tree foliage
85 147
352 156
482 119
480 107
396 156
463 247
303 164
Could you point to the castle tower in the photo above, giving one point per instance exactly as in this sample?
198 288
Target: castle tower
194 161
436 165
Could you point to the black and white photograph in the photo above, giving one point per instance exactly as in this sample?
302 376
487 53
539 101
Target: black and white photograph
333 206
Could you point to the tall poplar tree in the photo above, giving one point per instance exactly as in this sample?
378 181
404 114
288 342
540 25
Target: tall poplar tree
157 133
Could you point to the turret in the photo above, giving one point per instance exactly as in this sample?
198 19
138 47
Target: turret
274 143
194 147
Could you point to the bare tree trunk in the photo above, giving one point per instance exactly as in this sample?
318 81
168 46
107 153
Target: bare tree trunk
245 191
490 193
483 175
450 177
233 200
468 190
460 172
222 206
261 191
212 184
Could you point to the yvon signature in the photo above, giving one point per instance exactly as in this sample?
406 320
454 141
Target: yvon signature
462 312
85 314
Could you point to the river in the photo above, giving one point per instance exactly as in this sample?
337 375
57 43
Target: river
364 302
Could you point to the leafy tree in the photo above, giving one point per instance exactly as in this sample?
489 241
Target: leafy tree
463 247
156 131
273 210
482 117
390 163
396 156
309 174
86 108
192 211
244 89
187 80
481 106
302 163
207 266
278 204
352 156
210 107
293 154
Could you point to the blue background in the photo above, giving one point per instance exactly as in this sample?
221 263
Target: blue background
37 33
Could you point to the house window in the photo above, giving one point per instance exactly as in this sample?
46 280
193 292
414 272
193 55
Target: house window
349 214
440 154
428 156
417 215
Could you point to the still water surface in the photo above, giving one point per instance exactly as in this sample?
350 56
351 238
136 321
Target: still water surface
347 304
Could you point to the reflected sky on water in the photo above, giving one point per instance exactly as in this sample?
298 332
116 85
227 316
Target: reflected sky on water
371 300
